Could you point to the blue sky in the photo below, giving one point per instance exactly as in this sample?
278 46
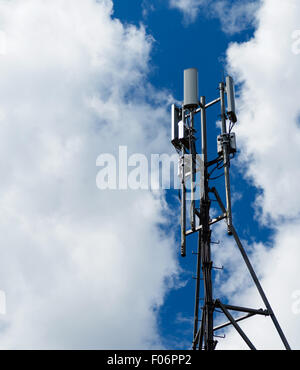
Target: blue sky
85 267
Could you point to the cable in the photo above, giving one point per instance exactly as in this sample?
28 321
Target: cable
217 167
231 126
217 177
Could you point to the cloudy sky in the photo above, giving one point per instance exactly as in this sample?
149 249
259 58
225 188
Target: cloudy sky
87 268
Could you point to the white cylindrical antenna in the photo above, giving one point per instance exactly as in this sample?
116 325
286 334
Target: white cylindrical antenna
191 100
230 99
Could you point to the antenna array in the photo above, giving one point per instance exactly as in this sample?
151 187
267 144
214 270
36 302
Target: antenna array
183 139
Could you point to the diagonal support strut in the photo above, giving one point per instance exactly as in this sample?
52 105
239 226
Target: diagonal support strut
254 277
235 324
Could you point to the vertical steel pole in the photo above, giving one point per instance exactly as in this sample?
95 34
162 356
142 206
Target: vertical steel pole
203 130
183 197
183 207
199 257
226 158
205 241
193 171
201 332
197 293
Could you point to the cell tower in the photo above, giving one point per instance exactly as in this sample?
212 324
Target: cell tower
190 163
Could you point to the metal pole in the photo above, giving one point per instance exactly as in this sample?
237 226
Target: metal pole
193 171
205 240
201 331
183 206
197 294
203 130
226 158
183 197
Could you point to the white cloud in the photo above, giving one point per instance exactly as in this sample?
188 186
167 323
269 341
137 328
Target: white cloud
237 16
189 8
269 72
234 16
269 138
80 268
147 8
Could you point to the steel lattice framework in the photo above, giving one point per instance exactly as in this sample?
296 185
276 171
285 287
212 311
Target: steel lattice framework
183 138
